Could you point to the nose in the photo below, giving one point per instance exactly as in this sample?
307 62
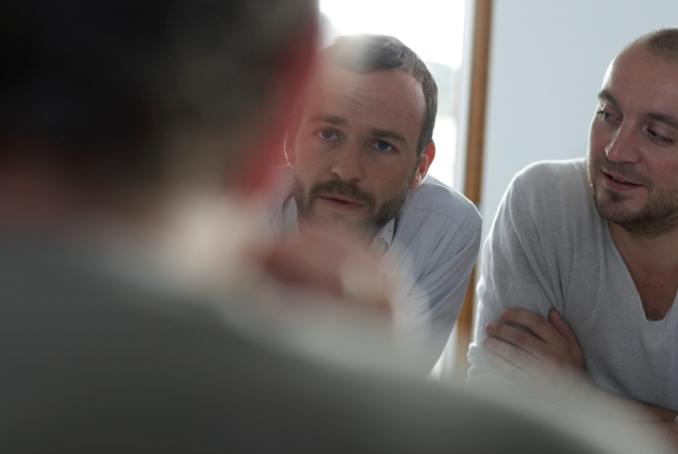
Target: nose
347 162
623 145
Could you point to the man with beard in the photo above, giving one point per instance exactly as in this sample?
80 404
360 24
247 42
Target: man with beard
359 150
584 255
123 316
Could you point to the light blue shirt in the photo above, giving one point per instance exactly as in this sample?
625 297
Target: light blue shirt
433 242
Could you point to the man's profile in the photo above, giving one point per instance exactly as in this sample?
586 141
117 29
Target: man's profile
360 150
583 254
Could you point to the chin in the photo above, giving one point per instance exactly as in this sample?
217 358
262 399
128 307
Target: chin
617 210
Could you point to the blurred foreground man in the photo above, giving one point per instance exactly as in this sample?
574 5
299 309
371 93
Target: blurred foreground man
131 133
584 254
360 149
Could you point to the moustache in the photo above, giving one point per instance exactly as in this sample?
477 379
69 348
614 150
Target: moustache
340 187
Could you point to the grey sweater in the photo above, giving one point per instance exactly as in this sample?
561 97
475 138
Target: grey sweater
549 248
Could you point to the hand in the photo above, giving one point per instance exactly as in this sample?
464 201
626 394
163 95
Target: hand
547 361
332 265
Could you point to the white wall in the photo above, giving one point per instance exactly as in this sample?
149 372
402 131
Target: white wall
548 58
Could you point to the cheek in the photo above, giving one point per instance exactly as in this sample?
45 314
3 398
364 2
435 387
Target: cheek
666 173
394 183
308 159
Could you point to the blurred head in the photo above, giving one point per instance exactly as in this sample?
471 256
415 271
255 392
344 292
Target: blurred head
139 96
633 141
363 136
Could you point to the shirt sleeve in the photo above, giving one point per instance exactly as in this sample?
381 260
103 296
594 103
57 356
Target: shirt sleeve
435 300
515 272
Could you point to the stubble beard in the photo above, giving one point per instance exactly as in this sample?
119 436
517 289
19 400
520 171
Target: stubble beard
657 217
379 215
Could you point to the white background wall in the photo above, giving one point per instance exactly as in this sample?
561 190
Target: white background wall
548 58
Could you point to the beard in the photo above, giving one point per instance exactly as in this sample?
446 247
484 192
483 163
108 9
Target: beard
659 214
378 217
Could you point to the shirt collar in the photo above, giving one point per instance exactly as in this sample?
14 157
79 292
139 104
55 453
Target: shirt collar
386 232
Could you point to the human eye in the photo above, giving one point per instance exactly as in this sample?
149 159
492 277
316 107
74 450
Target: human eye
383 145
658 137
604 115
328 134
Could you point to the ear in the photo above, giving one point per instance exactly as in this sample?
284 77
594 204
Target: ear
425 161
289 146
290 136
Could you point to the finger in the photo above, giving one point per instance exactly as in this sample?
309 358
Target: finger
295 270
561 326
539 326
513 354
540 371
518 337
511 372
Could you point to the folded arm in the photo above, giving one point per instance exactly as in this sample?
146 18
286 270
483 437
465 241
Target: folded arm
544 358
521 343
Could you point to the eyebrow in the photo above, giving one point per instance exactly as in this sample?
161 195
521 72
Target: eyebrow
666 119
388 134
331 119
605 95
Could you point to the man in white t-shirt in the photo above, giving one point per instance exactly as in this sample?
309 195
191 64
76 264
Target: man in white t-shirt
584 255
360 152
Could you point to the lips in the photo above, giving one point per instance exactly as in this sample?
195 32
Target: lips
340 198
341 203
615 182
342 195
619 179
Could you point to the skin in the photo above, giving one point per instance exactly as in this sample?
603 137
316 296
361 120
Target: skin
37 197
318 261
633 138
357 145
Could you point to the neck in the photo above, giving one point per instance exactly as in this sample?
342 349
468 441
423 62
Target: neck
40 200
652 254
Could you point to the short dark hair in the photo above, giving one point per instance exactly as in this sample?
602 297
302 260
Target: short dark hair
662 42
366 53
97 86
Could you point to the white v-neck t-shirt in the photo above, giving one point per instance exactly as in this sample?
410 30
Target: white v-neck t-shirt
550 249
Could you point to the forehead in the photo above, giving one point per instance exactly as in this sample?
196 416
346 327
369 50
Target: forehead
379 99
642 81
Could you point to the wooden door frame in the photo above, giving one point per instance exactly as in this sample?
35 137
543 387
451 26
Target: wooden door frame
475 142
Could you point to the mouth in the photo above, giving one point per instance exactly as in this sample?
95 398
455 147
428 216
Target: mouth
341 203
615 182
